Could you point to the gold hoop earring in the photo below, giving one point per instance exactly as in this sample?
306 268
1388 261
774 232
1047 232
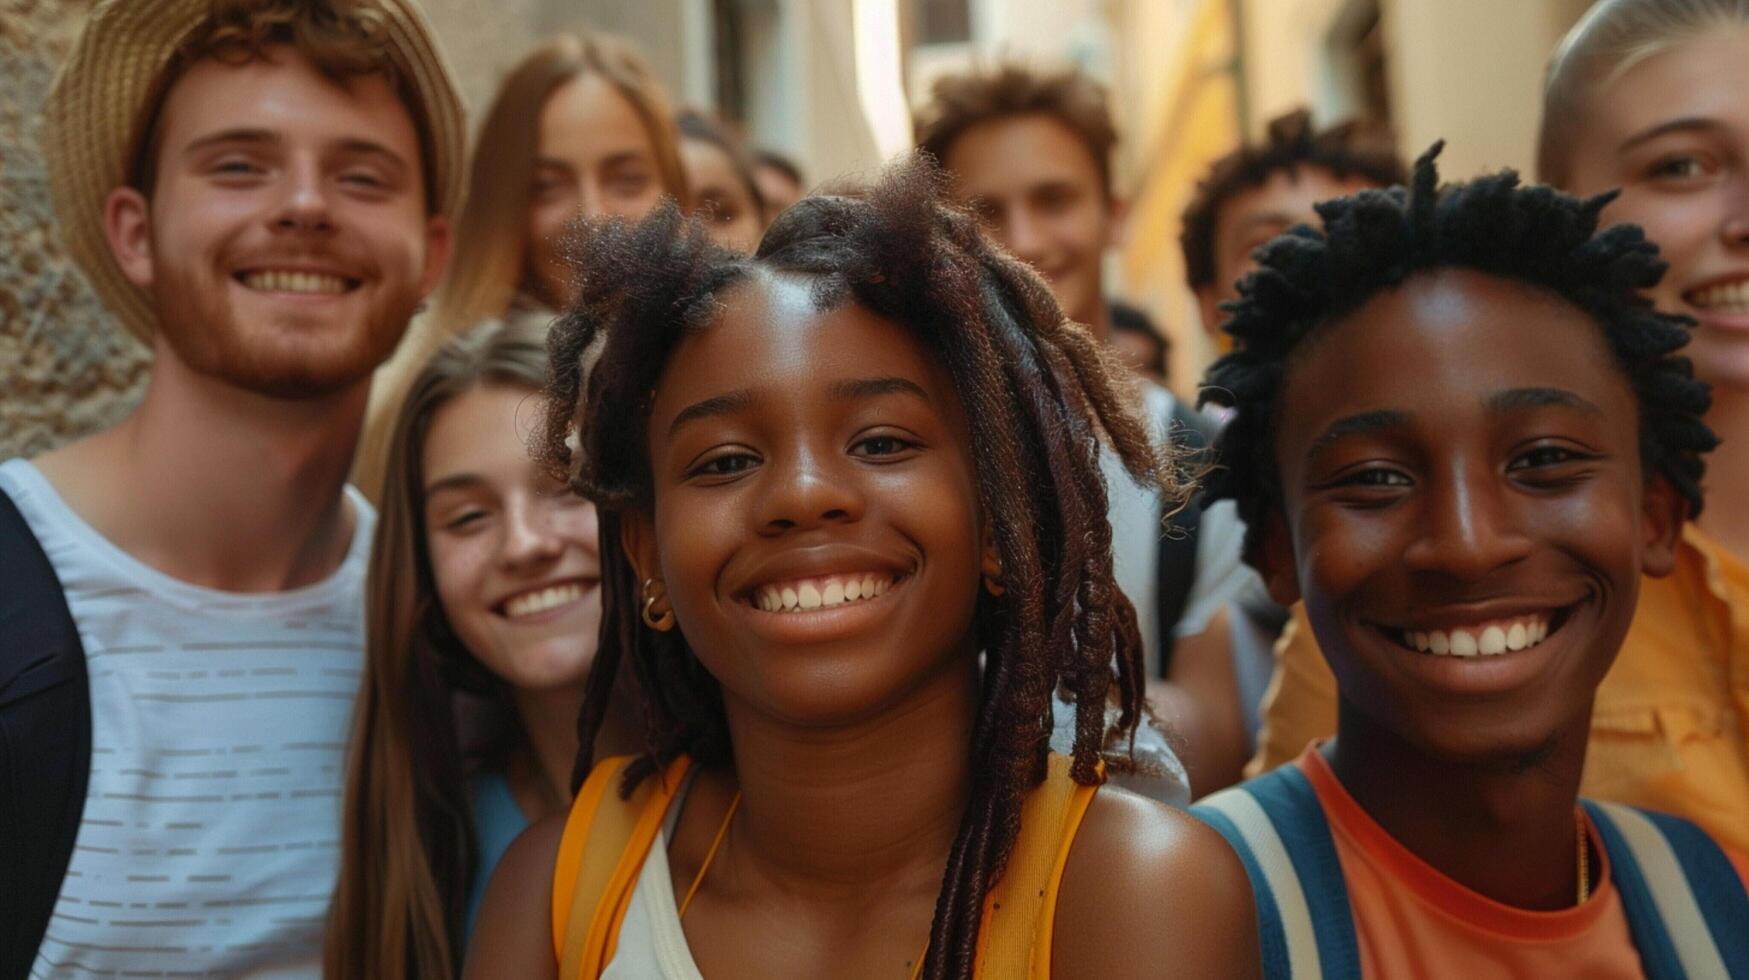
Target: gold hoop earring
653 592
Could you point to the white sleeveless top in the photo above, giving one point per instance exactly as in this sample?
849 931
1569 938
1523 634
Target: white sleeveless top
652 943
210 836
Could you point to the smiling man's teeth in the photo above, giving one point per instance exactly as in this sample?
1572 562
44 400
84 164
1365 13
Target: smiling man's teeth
284 281
530 603
1729 297
1481 640
821 593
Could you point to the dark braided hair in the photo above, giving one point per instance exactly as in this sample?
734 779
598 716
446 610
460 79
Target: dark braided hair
1375 240
1040 396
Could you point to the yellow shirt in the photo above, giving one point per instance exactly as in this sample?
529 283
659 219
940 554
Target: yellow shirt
1670 731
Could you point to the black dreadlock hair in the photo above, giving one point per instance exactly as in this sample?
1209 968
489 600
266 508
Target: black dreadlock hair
1375 240
1039 394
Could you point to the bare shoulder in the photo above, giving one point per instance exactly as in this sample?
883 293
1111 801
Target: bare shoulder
1149 891
514 934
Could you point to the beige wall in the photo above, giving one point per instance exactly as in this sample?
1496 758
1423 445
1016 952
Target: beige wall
1471 73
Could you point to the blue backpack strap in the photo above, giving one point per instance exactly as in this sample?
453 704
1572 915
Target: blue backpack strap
1686 907
1275 824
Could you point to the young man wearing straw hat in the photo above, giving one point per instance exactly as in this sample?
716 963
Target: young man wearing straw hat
258 189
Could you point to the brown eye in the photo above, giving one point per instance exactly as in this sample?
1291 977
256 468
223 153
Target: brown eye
1681 167
882 446
1377 476
728 464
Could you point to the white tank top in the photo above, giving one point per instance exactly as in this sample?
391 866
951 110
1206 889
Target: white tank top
211 831
652 943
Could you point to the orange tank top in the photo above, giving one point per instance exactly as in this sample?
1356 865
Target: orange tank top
606 839
1413 921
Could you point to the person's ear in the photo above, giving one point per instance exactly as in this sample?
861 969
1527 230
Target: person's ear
1662 512
1273 557
439 240
637 538
127 224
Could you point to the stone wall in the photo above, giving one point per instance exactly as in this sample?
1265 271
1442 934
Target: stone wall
65 368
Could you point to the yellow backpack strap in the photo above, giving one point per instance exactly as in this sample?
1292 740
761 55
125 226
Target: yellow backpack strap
600 855
1020 912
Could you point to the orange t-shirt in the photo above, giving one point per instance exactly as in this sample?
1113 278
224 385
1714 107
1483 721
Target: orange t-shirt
1413 921
1670 731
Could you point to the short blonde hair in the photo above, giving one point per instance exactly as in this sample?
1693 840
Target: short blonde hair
1613 37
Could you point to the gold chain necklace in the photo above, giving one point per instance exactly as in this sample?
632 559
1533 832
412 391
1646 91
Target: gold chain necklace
1584 862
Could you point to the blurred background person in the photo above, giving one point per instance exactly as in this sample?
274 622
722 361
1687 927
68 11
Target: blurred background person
780 181
1262 189
720 173
1030 153
483 613
580 128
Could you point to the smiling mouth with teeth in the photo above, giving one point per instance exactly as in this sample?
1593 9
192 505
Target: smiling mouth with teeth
540 600
1490 638
1726 297
289 281
826 592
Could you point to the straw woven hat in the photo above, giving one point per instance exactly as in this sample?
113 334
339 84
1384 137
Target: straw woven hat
106 94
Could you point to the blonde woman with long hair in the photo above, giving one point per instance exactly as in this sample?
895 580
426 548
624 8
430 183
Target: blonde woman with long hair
482 615
579 128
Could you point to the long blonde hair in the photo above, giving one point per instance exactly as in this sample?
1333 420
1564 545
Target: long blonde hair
491 266
408 842
489 270
1613 37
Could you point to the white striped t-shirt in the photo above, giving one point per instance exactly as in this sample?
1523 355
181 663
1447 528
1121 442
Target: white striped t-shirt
209 840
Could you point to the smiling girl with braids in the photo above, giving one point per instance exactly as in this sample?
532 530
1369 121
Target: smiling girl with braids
1462 438
839 470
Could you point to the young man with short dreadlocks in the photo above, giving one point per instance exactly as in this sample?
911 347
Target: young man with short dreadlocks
257 189
1249 196
855 484
1462 437
1642 96
1030 153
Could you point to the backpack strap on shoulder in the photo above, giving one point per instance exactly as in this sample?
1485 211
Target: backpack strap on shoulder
1278 828
1020 911
45 739
601 854
1686 908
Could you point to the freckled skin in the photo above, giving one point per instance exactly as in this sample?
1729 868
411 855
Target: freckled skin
496 526
1460 509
